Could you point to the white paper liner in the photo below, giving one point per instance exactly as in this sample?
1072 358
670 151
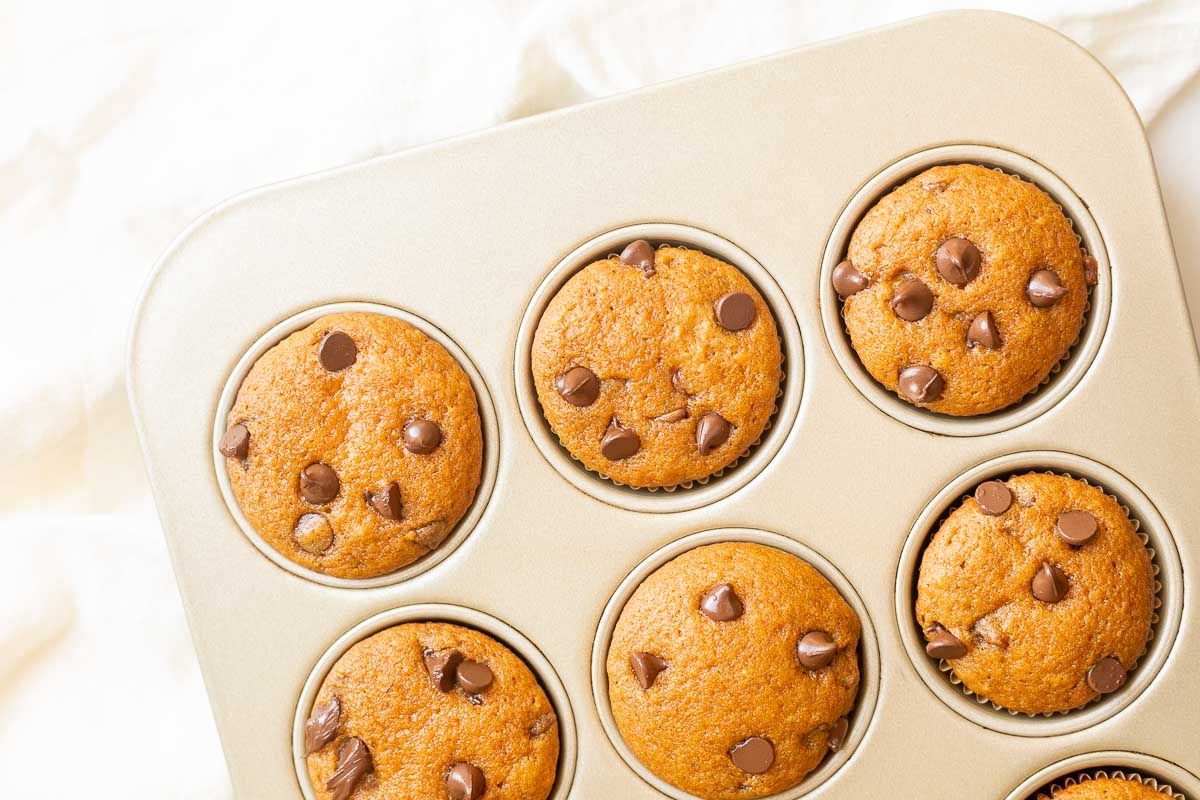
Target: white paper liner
1063 359
1102 772
946 669
749 448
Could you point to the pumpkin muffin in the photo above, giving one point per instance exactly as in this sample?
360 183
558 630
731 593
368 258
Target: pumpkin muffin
1107 789
659 367
963 288
1038 593
718 625
354 446
431 710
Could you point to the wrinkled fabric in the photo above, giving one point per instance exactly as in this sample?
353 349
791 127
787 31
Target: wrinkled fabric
123 121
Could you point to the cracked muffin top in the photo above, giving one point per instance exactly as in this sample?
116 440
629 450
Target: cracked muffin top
963 288
658 367
732 670
354 446
430 709
1038 592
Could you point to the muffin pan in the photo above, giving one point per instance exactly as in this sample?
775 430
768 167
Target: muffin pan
462 238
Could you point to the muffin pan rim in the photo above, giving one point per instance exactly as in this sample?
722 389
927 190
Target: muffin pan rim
489 431
862 716
1179 778
501 631
731 478
1065 374
1150 663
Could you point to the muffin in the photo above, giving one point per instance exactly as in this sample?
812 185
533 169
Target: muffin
659 367
732 670
963 288
431 710
1038 593
354 445
1107 789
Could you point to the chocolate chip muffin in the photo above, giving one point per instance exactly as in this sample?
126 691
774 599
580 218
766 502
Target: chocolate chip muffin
354 445
963 288
732 670
431 710
659 367
1038 593
1107 789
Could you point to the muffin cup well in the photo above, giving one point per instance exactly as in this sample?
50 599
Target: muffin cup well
734 475
1162 776
1168 594
488 425
869 669
459 615
1069 369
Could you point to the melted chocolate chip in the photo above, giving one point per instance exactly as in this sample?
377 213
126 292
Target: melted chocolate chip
641 255
474 677
712 431
619 443
646 668
735 311
912 301
1091 270
1107 675
837 734
993 498
958 261
422 436
579 386
943 644
847 280
236 442
319 483
919 383
353 764
337 351
754 755
321 728
1076 528
465 781
442 666
1049 584
721 603
983 332
816 650
1045 288
386 502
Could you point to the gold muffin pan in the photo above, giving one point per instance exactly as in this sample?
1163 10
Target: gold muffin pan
461 239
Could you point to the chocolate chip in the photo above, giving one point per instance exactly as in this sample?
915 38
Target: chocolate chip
816 650
465 781
321 727
837 734
1045 288
619 442
1107 675
721 603
431 534
672 416
236 442
646 667
847 280
958 261
1049 584
313 533
1091 270
712 431
337 351
422 436
993 498
639 254
579 386
1075 527
942 643
473 676
386 502
735 311
353 763
542 725
319 483
442 666
983 332
921 384
754 755
912 301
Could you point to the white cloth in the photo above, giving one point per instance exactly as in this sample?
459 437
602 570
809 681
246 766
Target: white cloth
121 122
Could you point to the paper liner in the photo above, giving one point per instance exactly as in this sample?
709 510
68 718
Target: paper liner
1063 359
1048 792
945 667
749 448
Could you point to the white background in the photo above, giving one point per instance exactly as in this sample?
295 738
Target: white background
121 122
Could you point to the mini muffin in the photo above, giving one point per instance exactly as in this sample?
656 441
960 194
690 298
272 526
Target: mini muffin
1038 593
732 670
354 445
431 710
1108 789
963 289
659 367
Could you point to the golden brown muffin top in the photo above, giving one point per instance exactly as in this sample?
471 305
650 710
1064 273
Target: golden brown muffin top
1038 592
431 710
354 445
1109 789
658 374
705 671
975 288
